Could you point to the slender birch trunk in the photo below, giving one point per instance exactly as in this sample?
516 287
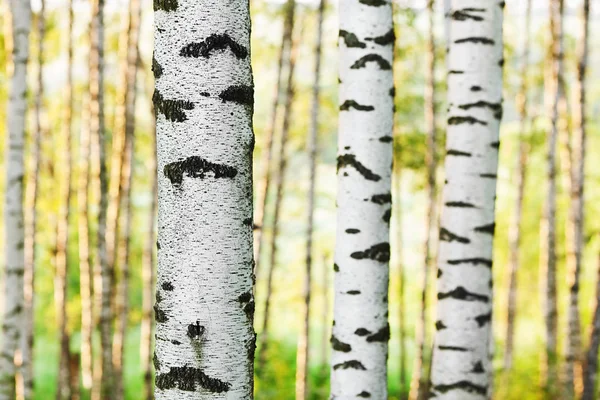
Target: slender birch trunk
591 362
302 360
14 235
548 225
279 185
269 146
418 387
366 95
520 172
204 303
25 391
461 365
397 201
325 314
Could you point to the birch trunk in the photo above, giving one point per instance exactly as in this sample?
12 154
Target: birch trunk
279 185
325 314
204 303
461 367
302 361
267 158
548 228
13 319
591 367
418 387
520 172
400 259
25 391
366 95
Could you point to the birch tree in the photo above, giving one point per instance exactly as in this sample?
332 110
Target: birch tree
204 102
461 367
12 321
366 95
520 171
591 357
399 252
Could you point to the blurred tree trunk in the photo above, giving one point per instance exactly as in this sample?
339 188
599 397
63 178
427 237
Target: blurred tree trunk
418 386
25 391
361 329
126 125
74 367
269 145
13 319
279 185
520 172
204 303
461 366
548 225
303 360
64 389
591 368
325 313
399 253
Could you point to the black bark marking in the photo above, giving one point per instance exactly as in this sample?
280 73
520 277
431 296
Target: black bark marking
351 40
171 109
387 215
336 268
176 342
386 139
362 62
447 236
384 40
247 222
392 91
251 348
483 319
245 297
204 94
159 315
495 145
495 107
249 310
352 231
439 273
348 104
338 345
212 43
155 362
196 167
362 332
467 386
351 364
465 120
458 153
158 296
353 292
489 176
349 160
157 245
474 261
168 286
378 252
165 5
241 94
195 330
460 293
465 14
373 3
453 348
478 368
501 62
476 88
383 335
455 72
439 325
476 40
460 204
187 379
489 229
384 198
364 394
156 68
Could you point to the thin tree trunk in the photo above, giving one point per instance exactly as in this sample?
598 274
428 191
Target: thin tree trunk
13 319
302 362
267 158
361 329
591 367
279 185
418 387
325 313
204 303
461 366
548 228
397 203
520 172
25 391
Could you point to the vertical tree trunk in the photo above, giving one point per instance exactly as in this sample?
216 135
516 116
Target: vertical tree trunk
548 233
31 200
515 225
397 201
204 303
418 387
366 95
461 365
591 367
279 185
325 313
267 158
13 319
302 361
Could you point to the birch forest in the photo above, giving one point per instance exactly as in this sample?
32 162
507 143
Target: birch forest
299 199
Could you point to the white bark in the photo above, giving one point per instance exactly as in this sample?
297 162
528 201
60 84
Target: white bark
366 93
12 323
461 366
204 100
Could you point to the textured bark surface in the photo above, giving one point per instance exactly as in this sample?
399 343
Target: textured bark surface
12 321
461 367
302 357
204 101
548 224
366 97
520 171
418 386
